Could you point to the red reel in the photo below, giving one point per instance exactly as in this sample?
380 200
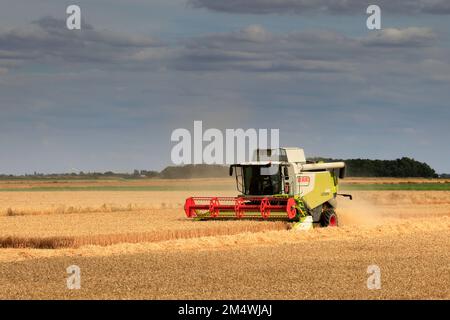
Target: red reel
238 204
291 210
214 207
189 208
265 208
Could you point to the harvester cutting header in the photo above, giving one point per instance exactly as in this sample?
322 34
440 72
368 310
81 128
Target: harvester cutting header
277 184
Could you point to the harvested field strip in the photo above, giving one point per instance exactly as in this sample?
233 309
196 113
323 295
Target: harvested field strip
331 264
155 236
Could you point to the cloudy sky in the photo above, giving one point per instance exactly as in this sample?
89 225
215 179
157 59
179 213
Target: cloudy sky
109 96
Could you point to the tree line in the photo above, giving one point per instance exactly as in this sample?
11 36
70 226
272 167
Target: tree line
398 168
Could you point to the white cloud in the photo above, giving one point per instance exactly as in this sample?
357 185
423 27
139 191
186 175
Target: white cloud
412 36
255 33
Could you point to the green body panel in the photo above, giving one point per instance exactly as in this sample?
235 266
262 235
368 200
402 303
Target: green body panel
325 189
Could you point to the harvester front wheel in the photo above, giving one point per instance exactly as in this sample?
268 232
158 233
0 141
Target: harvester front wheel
329 218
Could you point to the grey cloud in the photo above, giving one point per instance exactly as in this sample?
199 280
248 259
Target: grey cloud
251 49
48 39
439 7
57 29
57 25
254 49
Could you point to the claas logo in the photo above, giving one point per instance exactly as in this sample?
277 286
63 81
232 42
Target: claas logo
304 180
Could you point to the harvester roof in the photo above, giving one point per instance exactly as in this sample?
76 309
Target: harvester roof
291 155
262 163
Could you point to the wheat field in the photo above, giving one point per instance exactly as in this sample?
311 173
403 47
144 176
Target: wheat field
142 242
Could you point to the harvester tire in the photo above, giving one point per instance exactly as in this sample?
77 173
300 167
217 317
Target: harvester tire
329 218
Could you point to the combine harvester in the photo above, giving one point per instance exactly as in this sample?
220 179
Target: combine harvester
278 184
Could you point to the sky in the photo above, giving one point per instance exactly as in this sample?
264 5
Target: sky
108 96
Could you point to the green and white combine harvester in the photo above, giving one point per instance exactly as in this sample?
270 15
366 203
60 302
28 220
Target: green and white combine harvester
278 184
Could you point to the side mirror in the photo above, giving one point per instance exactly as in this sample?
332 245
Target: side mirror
231 170
342 173
286 172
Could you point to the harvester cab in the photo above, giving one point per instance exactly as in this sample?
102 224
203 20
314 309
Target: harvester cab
277 184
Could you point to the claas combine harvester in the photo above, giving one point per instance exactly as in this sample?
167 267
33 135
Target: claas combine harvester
277 184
